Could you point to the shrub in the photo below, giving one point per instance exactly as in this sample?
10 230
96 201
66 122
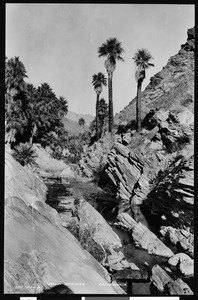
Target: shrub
72 159
84 236
57 154
98 173
24 154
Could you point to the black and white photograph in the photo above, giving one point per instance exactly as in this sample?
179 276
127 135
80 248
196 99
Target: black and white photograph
99 150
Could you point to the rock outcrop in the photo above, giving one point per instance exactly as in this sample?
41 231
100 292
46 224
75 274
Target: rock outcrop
180 237
143 237
127 170
95 156
50 167
166 285
173 197
170 89
39 251
140 275
184 262
100 230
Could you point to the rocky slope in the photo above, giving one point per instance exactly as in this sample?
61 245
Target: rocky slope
39 251
170 89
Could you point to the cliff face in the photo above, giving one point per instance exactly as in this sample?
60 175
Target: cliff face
39 251
170 89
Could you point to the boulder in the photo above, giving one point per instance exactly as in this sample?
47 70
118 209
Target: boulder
67 203
143 237
133 266
165 284
179 236
126 264
115 258
141 275
46 162
100 230
186 117
186 289
185 263
117 266
67 172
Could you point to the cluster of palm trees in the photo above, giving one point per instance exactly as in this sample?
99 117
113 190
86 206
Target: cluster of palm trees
112 49
31 114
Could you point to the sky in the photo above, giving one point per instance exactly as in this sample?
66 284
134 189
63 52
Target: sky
58 44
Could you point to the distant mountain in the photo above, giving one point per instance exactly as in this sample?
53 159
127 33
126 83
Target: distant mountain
71 125
75 117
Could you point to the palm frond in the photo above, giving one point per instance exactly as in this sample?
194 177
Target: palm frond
151 65
120 58
25 154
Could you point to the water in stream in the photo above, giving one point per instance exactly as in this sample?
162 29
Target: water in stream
90 192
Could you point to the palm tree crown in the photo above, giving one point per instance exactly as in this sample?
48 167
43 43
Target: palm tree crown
112 48
99 80
15 74
142 60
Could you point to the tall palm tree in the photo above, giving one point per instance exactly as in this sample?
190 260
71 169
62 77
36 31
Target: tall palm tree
98 81
142 60
113 50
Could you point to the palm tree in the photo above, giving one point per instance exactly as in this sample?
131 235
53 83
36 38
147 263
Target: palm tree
98 81
113 50
142 60
81 122
15 99
15 74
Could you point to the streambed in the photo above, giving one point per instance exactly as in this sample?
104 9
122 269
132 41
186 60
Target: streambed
58 189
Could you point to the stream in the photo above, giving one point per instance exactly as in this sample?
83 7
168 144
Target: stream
58 189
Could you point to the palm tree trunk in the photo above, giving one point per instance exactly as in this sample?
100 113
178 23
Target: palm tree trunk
139 106
111 123
33 133
97 121
101 127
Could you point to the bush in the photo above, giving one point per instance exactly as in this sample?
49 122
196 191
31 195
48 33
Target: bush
24 154
72 159
57 154
98 173
84 236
